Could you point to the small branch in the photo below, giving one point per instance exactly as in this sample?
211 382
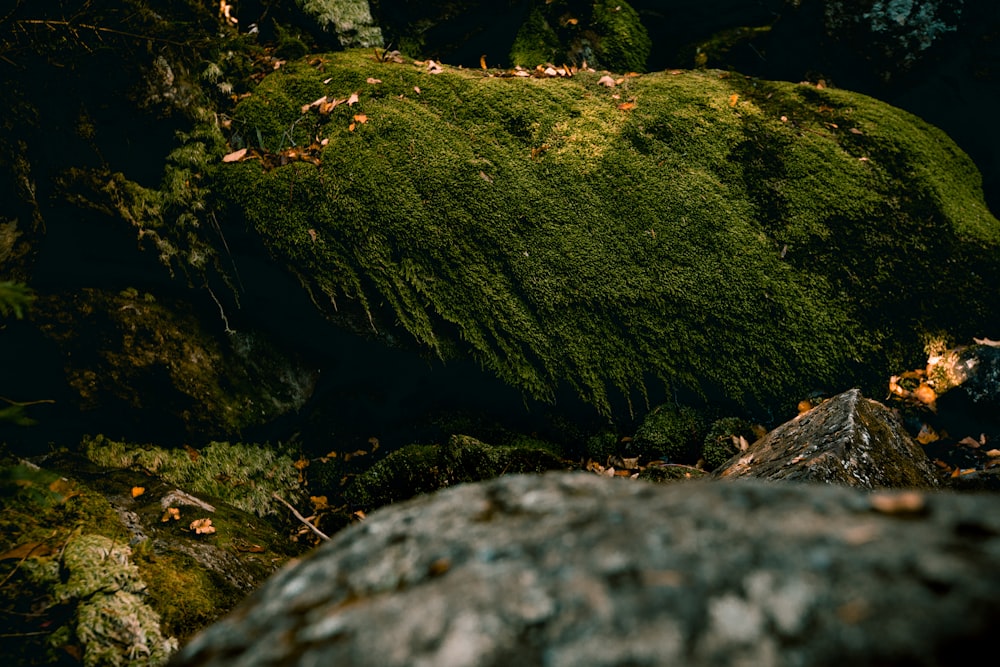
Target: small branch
301 518
225 320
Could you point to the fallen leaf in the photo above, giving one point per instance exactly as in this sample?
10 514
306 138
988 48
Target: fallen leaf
986 341
433 67
855 130
170 513
482 61
733 99
137 491
993 453
202 526
350 128
970 442
626 106
319 502
897 503
360 118
925 394
373 81
192 453
927 435
22 551
352 100
483 175
606 81
312 234
235 156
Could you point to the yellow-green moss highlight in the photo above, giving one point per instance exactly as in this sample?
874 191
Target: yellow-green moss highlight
724 234
243 475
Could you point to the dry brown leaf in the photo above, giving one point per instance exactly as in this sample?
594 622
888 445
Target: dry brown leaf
22 551
373 80
202 526
993 453
606 81
235 156
970 442
927 435
901 502
352 100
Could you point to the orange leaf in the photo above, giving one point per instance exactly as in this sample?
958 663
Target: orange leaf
235 156
137 491
482 61
192 453
904 502
361 118
733 99
626 106
202 526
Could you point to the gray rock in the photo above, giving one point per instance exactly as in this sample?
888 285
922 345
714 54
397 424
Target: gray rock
576 569
848 439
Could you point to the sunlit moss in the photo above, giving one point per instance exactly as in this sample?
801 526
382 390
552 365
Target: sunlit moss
244 475
745 239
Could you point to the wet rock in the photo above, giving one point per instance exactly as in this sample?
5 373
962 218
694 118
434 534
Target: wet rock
847 440
574 569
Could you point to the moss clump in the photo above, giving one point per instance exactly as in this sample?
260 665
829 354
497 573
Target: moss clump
243 475
751 240
669 432
603 34
71 585
418 469
723 440
113 623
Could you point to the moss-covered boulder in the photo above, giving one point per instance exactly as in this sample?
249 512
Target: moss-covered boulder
101 567
418 469
752 240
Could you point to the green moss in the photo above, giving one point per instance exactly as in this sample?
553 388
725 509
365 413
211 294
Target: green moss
696 238
623 44
671 432
536 42
722 441
243 475
418 469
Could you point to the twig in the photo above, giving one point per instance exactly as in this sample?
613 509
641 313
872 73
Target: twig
301 518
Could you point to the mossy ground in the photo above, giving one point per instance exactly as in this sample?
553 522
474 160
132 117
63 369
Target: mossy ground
750 240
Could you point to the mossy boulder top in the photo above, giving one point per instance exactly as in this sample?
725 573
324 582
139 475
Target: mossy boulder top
749 239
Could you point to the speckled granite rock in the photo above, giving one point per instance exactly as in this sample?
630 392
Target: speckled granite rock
576 569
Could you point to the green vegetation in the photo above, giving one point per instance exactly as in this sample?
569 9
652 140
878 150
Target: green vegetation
671 432
747 239
723 440
70 585
243 475
604 34
417 469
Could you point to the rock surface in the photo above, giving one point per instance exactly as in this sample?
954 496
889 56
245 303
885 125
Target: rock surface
847 439
574 569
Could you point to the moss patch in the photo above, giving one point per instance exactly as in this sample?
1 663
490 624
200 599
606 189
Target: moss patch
752 240
417 469
242 475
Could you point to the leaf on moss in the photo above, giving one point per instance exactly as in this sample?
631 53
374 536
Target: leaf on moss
138 491
202 526
235 156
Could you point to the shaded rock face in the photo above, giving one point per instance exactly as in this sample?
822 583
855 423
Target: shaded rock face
847 440
157 362
572 569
